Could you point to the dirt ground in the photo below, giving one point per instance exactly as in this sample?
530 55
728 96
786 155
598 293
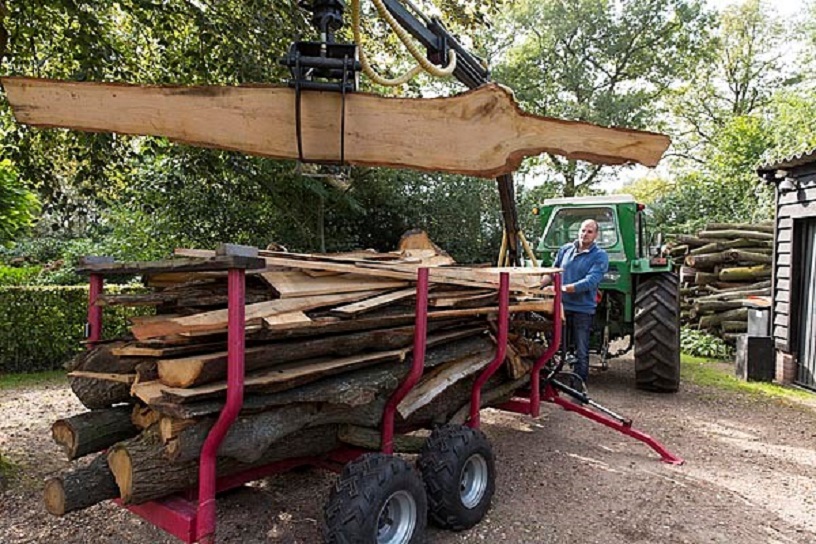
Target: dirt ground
749 476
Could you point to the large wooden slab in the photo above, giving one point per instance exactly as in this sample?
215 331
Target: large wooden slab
217 320
481 133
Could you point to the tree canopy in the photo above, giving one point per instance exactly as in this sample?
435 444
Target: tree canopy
604 62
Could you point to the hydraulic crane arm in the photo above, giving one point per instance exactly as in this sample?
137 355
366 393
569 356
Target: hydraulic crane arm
471 72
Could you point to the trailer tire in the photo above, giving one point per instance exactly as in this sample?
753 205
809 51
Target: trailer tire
458 469
377 499
657 333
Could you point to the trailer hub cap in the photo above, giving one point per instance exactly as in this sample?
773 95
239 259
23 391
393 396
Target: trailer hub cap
397 519
473 481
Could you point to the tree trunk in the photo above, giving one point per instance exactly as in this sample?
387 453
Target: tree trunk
739 243
96 394
704 278
735 233
143 473
744 256
251 435
745 273
710 321
80 488
93 431
716 306
761 227
734 326
709 260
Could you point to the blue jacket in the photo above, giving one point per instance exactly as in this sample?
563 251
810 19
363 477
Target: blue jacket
585 270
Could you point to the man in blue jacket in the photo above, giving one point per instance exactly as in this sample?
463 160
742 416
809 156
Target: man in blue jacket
584 265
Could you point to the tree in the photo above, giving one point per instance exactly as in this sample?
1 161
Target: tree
599 61
18 206
746 67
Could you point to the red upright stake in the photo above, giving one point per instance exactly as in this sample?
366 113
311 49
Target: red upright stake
501 350
205 523
94 332
420 337
555 343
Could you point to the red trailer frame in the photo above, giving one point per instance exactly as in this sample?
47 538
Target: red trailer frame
191 516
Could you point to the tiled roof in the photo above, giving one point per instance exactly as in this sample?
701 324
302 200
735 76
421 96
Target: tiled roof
791 161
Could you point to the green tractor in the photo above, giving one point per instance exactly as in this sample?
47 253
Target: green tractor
639 293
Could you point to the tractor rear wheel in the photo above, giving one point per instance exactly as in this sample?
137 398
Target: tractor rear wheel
657 333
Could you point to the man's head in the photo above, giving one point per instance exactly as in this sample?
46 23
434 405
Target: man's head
588 233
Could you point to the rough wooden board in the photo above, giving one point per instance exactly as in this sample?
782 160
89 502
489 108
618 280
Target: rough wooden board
294 283
481 133
286 320
210 367
137 350
286 376
521 279
283 377
434 383
173 265
216 320
350 310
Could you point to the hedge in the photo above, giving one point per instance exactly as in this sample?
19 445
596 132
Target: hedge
42 327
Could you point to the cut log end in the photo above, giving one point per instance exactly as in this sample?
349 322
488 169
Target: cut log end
54 497
122 469
65 437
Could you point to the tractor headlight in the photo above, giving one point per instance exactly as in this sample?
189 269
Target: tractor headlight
611 277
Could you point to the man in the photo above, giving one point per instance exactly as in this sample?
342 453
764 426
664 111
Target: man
584 265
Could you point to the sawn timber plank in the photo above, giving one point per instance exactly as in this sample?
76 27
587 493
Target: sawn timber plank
481 132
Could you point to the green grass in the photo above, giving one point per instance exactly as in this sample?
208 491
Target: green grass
706 372
8 381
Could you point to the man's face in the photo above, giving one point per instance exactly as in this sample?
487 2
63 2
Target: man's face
588 232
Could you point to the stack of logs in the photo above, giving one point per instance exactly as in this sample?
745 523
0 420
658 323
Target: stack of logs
329 338
720 268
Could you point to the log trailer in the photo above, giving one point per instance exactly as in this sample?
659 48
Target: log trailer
379 497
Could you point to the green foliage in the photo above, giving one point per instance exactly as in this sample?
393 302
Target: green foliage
647 189
18 275
461 214
18 206
599 61
701 344
725 188
792 129
41 327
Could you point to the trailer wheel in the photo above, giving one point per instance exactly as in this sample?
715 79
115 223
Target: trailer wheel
657 334
377 499
458 468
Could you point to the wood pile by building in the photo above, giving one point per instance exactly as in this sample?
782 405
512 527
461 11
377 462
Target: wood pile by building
720 267
328 340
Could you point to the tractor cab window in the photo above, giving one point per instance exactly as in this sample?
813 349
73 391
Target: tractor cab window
565 224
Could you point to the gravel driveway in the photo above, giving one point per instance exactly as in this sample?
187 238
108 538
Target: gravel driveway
749 477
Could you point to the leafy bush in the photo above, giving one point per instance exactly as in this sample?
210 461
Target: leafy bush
41 327
18 206
18 275
702 344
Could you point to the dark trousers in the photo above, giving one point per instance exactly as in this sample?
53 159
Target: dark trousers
579 328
